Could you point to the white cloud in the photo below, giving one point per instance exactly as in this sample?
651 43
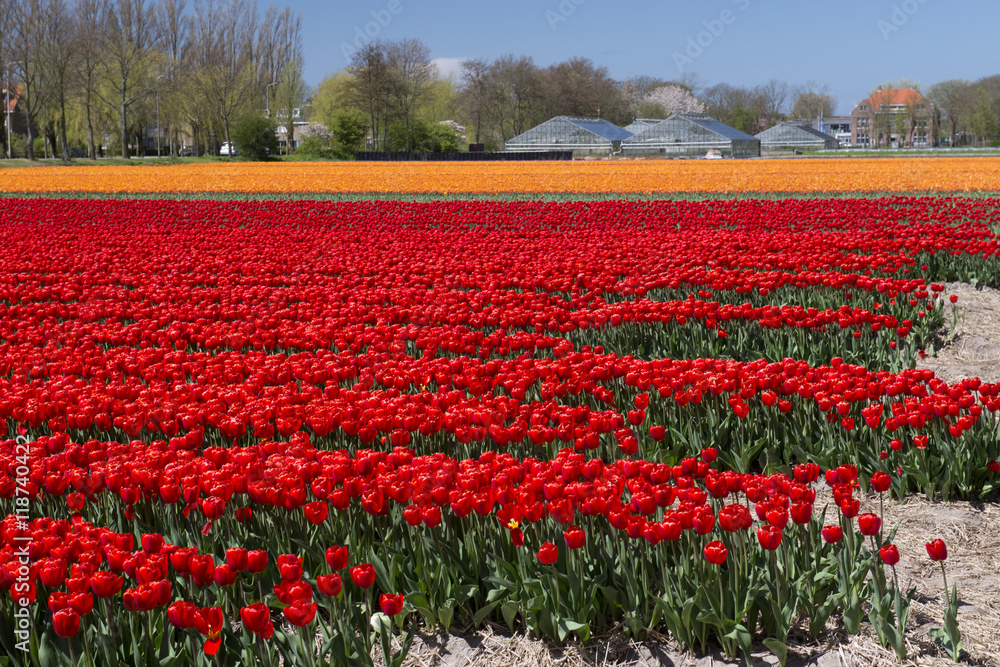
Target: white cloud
449 66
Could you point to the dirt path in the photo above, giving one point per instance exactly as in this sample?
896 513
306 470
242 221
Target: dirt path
973 348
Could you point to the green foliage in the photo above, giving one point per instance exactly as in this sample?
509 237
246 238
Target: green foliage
349 130
424 137
314 147
254 137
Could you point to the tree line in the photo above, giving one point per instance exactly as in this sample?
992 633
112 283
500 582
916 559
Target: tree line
395 99
96 69
88 72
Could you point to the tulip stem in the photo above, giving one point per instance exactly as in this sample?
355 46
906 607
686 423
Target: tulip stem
777 583
305 647
113 649
86 648
149 634
555 581
947 597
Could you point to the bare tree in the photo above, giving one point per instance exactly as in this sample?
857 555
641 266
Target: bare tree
410 75
88 35
176 29
131 58
954 100
289 96
292 91
810 105
771 99
225 33
30 39
517 99
474 92
61 52
578 87
369 70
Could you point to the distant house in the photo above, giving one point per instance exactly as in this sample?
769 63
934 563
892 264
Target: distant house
894 118
691 134
582 135
13 113
281 130
792 135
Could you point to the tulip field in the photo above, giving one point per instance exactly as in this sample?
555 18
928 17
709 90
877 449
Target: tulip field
299 432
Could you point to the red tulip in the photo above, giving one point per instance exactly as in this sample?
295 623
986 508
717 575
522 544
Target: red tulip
66 623
391 604
575 537
881 482
869 524
152 543
105 584
329 585
256 561
202 569
290 592
832 534
300 613
224 575
716 552
256 617
181 614
212 508
52 573
801 512
290 567
889 554
316 512
548 553
236 559
937 550
850 507
336 558
363 575
769 537
75 501
82 603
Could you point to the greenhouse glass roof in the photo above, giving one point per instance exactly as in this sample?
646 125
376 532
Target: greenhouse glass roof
601 128
575 133
716 126
791 133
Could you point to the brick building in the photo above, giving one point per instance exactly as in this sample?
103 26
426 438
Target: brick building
893 118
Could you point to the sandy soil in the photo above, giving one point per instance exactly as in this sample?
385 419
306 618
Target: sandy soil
971 531
973 345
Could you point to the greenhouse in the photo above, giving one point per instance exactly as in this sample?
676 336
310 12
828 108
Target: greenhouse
691 134
791 135
584 136
639 124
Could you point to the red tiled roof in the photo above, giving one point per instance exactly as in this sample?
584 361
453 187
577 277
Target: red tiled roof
892 96
14 90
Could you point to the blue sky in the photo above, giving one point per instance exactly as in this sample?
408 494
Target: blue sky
850 46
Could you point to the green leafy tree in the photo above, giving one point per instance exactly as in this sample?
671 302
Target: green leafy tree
349 129
254 137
